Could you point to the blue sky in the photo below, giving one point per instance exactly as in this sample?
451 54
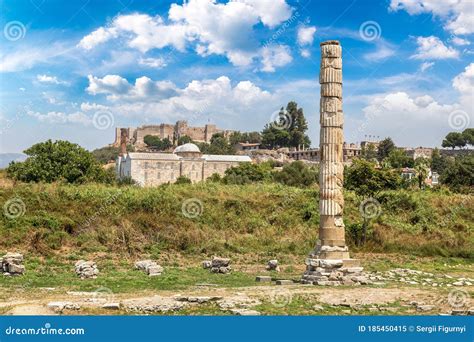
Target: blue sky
76 69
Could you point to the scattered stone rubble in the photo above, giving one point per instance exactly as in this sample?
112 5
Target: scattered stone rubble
154 304
217 265
333 272
86 269
58 307
12 264
149 267
273 266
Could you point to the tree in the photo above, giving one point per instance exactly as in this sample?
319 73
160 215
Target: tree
297 174
459 173
59 160
368 152
398 158
289 130
385 147
438 162
468 135
182 180
184 139
108 153
157 143
239 137
421 169
453 140
218 145
366 181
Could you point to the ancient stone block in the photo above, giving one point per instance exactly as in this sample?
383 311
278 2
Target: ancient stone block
330 104
330 50
335 63
331 90
330 75
273 265
263 279
220 262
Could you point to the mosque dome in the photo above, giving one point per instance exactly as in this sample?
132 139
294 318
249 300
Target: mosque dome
187 148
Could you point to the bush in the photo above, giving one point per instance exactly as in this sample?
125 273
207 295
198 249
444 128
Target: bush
182 180
58 161
297 174
247 173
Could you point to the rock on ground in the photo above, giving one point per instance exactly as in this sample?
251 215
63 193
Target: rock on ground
150 267
12 264
86 269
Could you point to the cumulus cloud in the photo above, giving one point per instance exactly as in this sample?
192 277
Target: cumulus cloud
217 98
206 25
275 56
464 82
419 120
49 79
118 88
460 41
306 35
458 15
433 48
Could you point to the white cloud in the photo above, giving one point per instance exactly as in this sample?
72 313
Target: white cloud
426 65
306 35
414 121
99 36
118 88
460 41
305 53
217 98
458 15
210 27
157 63
464 82
49 79
25 58
110 84
433 48
275 56
62 118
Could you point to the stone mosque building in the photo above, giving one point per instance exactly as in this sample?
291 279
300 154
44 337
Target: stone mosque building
152 169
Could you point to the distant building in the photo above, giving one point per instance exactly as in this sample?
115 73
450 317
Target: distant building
136 135
246 146
419 152
152 169
349 152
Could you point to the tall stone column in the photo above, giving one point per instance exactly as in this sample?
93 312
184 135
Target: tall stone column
329 263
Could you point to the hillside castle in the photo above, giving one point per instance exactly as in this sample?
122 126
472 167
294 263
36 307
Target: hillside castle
135 135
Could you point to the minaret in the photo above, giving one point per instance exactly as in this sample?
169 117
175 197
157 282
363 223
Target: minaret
329 263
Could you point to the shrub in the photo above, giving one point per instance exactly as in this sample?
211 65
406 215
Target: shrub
247 173
182 180
296 174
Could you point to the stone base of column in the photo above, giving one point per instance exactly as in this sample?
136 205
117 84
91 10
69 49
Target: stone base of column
332 266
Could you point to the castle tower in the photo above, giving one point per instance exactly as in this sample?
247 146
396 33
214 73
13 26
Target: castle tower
329 263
